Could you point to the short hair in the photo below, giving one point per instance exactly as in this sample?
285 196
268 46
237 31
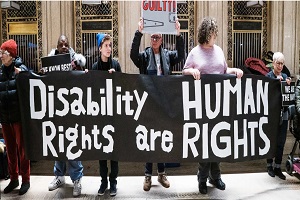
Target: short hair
278 56
206 28
62 37
160 35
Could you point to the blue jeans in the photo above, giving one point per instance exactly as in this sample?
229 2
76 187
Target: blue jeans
148 168
281 138
75 169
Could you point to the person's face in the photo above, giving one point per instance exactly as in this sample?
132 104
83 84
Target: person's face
63 46
278 66
156 41
212 40
5 57
105 48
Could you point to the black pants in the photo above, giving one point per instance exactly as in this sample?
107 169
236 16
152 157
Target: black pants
209 169
114 170
149 167
280 143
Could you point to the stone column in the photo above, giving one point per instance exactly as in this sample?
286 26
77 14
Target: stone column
129 15
58 18
284 32
297 39
127 27
1 27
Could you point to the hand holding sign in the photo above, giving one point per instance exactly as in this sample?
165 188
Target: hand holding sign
141 24
288 80
177 26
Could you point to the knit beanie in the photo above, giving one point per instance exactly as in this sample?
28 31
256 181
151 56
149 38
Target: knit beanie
100 37
11 47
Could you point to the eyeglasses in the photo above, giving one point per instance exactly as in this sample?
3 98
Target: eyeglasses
155 37
279 63
4 52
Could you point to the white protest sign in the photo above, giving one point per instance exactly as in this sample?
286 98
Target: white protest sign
159 16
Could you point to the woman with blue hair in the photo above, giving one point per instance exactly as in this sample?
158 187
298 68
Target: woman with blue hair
107 63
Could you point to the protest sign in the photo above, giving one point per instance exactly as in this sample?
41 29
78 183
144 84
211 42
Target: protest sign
288 93
60 62
159 16
142 118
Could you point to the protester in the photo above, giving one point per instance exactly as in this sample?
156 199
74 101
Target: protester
75 168
278 63
107 63
3 161
208 58
10 116
155 60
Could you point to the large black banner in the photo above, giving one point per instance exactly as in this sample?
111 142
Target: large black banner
128 117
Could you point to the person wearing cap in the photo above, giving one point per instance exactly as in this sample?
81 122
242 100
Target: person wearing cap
10 117
155 60
75 167
107 63
208 58
275 170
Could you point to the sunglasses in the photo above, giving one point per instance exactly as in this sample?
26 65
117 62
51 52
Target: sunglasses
279 63
4 52
155 37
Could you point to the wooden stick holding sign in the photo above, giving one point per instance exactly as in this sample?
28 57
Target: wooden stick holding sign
159 16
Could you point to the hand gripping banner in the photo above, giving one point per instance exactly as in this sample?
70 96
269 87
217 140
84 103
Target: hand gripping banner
128 117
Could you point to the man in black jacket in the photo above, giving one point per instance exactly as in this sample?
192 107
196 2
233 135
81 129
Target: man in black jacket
155 60
155 56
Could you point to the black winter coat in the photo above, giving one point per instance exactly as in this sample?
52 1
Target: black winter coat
296 119
112 63
9 100
141 60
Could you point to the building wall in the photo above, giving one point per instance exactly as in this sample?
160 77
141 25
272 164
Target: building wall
58 18
218 10
283 27
285 31
1 27
129 16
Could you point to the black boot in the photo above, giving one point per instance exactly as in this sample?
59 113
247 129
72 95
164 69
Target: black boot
11 186
271 171
113 188
202 187
24 188
278 172
103 187
218 183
